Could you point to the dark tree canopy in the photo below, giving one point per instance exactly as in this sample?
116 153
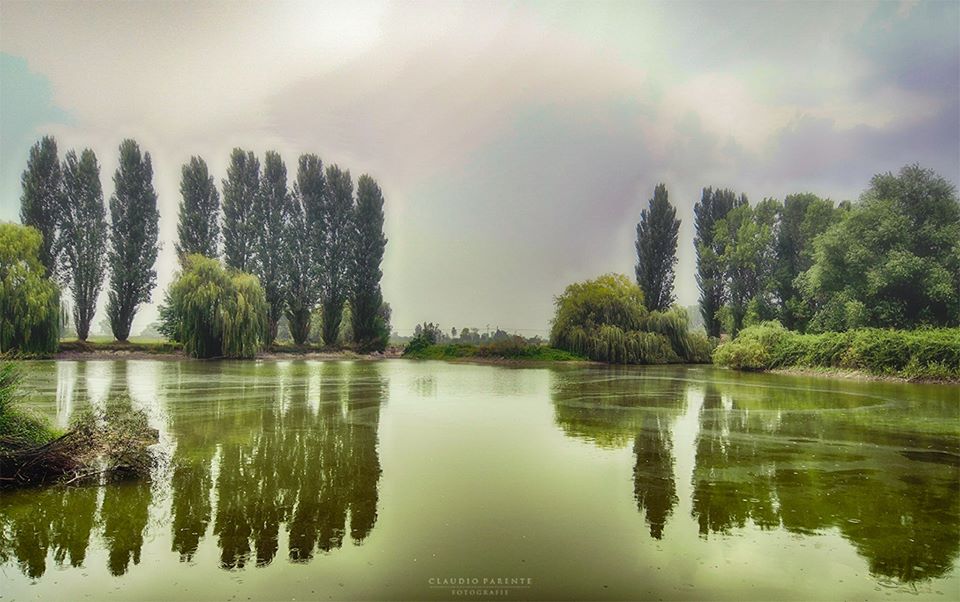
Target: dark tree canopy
713 207
746 236
42 198
368 246
198 230
335 250
271 214
303 272
656 247
893 260
133 238
240 190
803 217
83 236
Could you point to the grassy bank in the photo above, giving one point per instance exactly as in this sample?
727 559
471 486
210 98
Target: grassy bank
506 350
148 346
19 427
926 354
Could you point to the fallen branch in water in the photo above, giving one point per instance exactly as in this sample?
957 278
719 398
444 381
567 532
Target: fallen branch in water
110 443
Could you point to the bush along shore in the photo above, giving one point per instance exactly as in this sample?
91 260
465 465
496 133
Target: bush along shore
511 350
929 354
112 443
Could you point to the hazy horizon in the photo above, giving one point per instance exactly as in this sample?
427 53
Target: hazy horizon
515 144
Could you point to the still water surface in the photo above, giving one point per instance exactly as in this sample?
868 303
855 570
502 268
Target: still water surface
389 480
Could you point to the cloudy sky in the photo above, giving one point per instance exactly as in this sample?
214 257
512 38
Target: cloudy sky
515 143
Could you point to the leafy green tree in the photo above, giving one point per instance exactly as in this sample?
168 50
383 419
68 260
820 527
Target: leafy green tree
271 215
656 246
894 259
215 312
803 217
198 230
133 238
303 229
29 300
335 249
713 207
746 237
83 236
367 253
605 320
240 190
42 198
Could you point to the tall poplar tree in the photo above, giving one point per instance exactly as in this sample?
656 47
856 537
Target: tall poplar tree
656 246
133 238
713 207
42 197
240 190
271 214
303 230
335 251
367 250
198 229
83 236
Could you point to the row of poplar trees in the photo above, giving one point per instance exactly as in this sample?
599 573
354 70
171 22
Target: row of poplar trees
309 245
64 202
313 244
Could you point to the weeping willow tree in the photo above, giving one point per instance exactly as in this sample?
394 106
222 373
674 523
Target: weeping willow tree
605 320
29 300
215 312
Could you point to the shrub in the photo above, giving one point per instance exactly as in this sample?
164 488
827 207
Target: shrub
919 354
29 300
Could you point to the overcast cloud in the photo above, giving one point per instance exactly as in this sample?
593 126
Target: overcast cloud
515 143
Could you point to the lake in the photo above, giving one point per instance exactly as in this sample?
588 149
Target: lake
428 480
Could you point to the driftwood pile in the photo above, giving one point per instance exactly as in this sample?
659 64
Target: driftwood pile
111 444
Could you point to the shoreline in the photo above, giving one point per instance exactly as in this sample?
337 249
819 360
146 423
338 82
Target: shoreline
273 355
860 375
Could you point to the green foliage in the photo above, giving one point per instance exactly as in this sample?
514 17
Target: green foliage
83 236
19 427
745 236
424 336
752 348
925 353
133 238
712 208
605 320
367 246
240 190
803 217
657 250
334 249
303 269
215 312
514 348
29 301
198 229
42 198
896 255
271 214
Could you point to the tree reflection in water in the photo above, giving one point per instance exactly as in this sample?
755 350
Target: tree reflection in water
295 448
794 458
